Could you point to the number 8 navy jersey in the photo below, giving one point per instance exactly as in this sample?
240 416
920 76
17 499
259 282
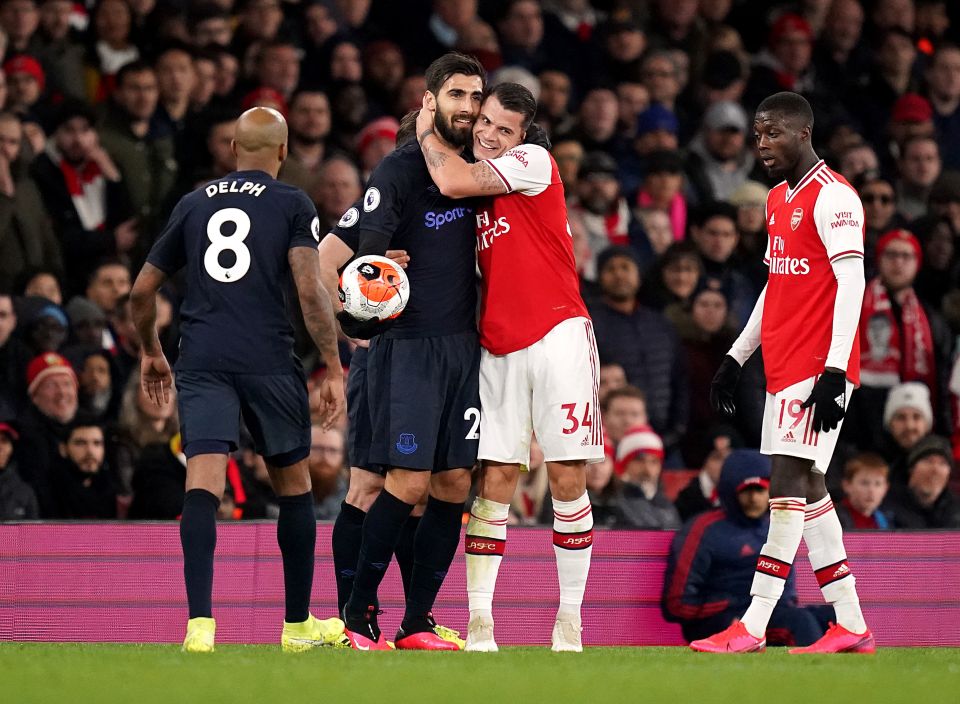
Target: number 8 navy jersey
233 236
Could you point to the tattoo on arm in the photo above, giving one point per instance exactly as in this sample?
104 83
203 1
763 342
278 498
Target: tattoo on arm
315 302
426 133
435 158
486 179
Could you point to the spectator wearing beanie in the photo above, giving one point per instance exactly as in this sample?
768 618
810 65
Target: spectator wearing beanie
910 116
907 418
712 561
785 64
719 160
657 129
52 387
926 502
17 500
900 338
26 82
641 501
43 325
375 141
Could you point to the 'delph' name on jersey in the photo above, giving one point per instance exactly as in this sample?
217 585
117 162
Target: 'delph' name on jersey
789 265
249 187
488 231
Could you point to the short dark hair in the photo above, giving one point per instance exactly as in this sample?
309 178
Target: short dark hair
308 90
83 419
173 46
714 210
132 67
103 263
515 98
627 391
788 104
451 64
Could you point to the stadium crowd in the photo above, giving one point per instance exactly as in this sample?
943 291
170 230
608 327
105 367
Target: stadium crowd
111 110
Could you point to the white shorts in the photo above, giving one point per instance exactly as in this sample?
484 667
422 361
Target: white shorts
549 388
787 427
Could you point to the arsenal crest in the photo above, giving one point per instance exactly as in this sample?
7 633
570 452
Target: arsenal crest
795 218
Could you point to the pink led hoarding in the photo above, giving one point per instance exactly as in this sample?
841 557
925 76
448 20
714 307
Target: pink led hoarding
118 582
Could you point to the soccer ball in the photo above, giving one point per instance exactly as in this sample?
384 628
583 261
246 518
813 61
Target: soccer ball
374 287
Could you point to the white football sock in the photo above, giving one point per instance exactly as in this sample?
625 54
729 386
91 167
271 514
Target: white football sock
484 544
573 546
774 562
824 538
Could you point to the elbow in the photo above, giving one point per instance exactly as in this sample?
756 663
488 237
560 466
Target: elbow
450 188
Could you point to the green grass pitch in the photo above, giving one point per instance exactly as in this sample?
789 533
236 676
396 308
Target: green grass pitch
142 674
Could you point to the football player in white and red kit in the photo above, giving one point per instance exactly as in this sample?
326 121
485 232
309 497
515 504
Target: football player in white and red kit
806 319
539 364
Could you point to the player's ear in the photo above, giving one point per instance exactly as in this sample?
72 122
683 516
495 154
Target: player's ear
429 101
281 153
233 147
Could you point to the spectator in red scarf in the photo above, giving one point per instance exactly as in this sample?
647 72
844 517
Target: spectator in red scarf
900 338
605 213
83 194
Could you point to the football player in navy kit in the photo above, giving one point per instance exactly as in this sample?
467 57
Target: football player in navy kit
422 370
240 238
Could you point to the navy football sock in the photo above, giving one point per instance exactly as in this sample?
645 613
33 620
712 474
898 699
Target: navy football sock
381 531
404 551
347 536
198 536
436 544
297 538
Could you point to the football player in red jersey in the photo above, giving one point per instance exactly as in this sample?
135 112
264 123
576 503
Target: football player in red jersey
539 366
806 320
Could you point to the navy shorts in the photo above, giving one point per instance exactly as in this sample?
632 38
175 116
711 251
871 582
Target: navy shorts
424 396
359 428
274 408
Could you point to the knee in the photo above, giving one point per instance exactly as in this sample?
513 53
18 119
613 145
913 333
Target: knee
452 485
407 485
498 483
364 488
568 486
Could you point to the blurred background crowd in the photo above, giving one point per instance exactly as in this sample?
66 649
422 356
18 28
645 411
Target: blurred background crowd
111 110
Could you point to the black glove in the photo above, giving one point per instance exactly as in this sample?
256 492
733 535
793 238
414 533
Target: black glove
362 329
829 401
724 386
